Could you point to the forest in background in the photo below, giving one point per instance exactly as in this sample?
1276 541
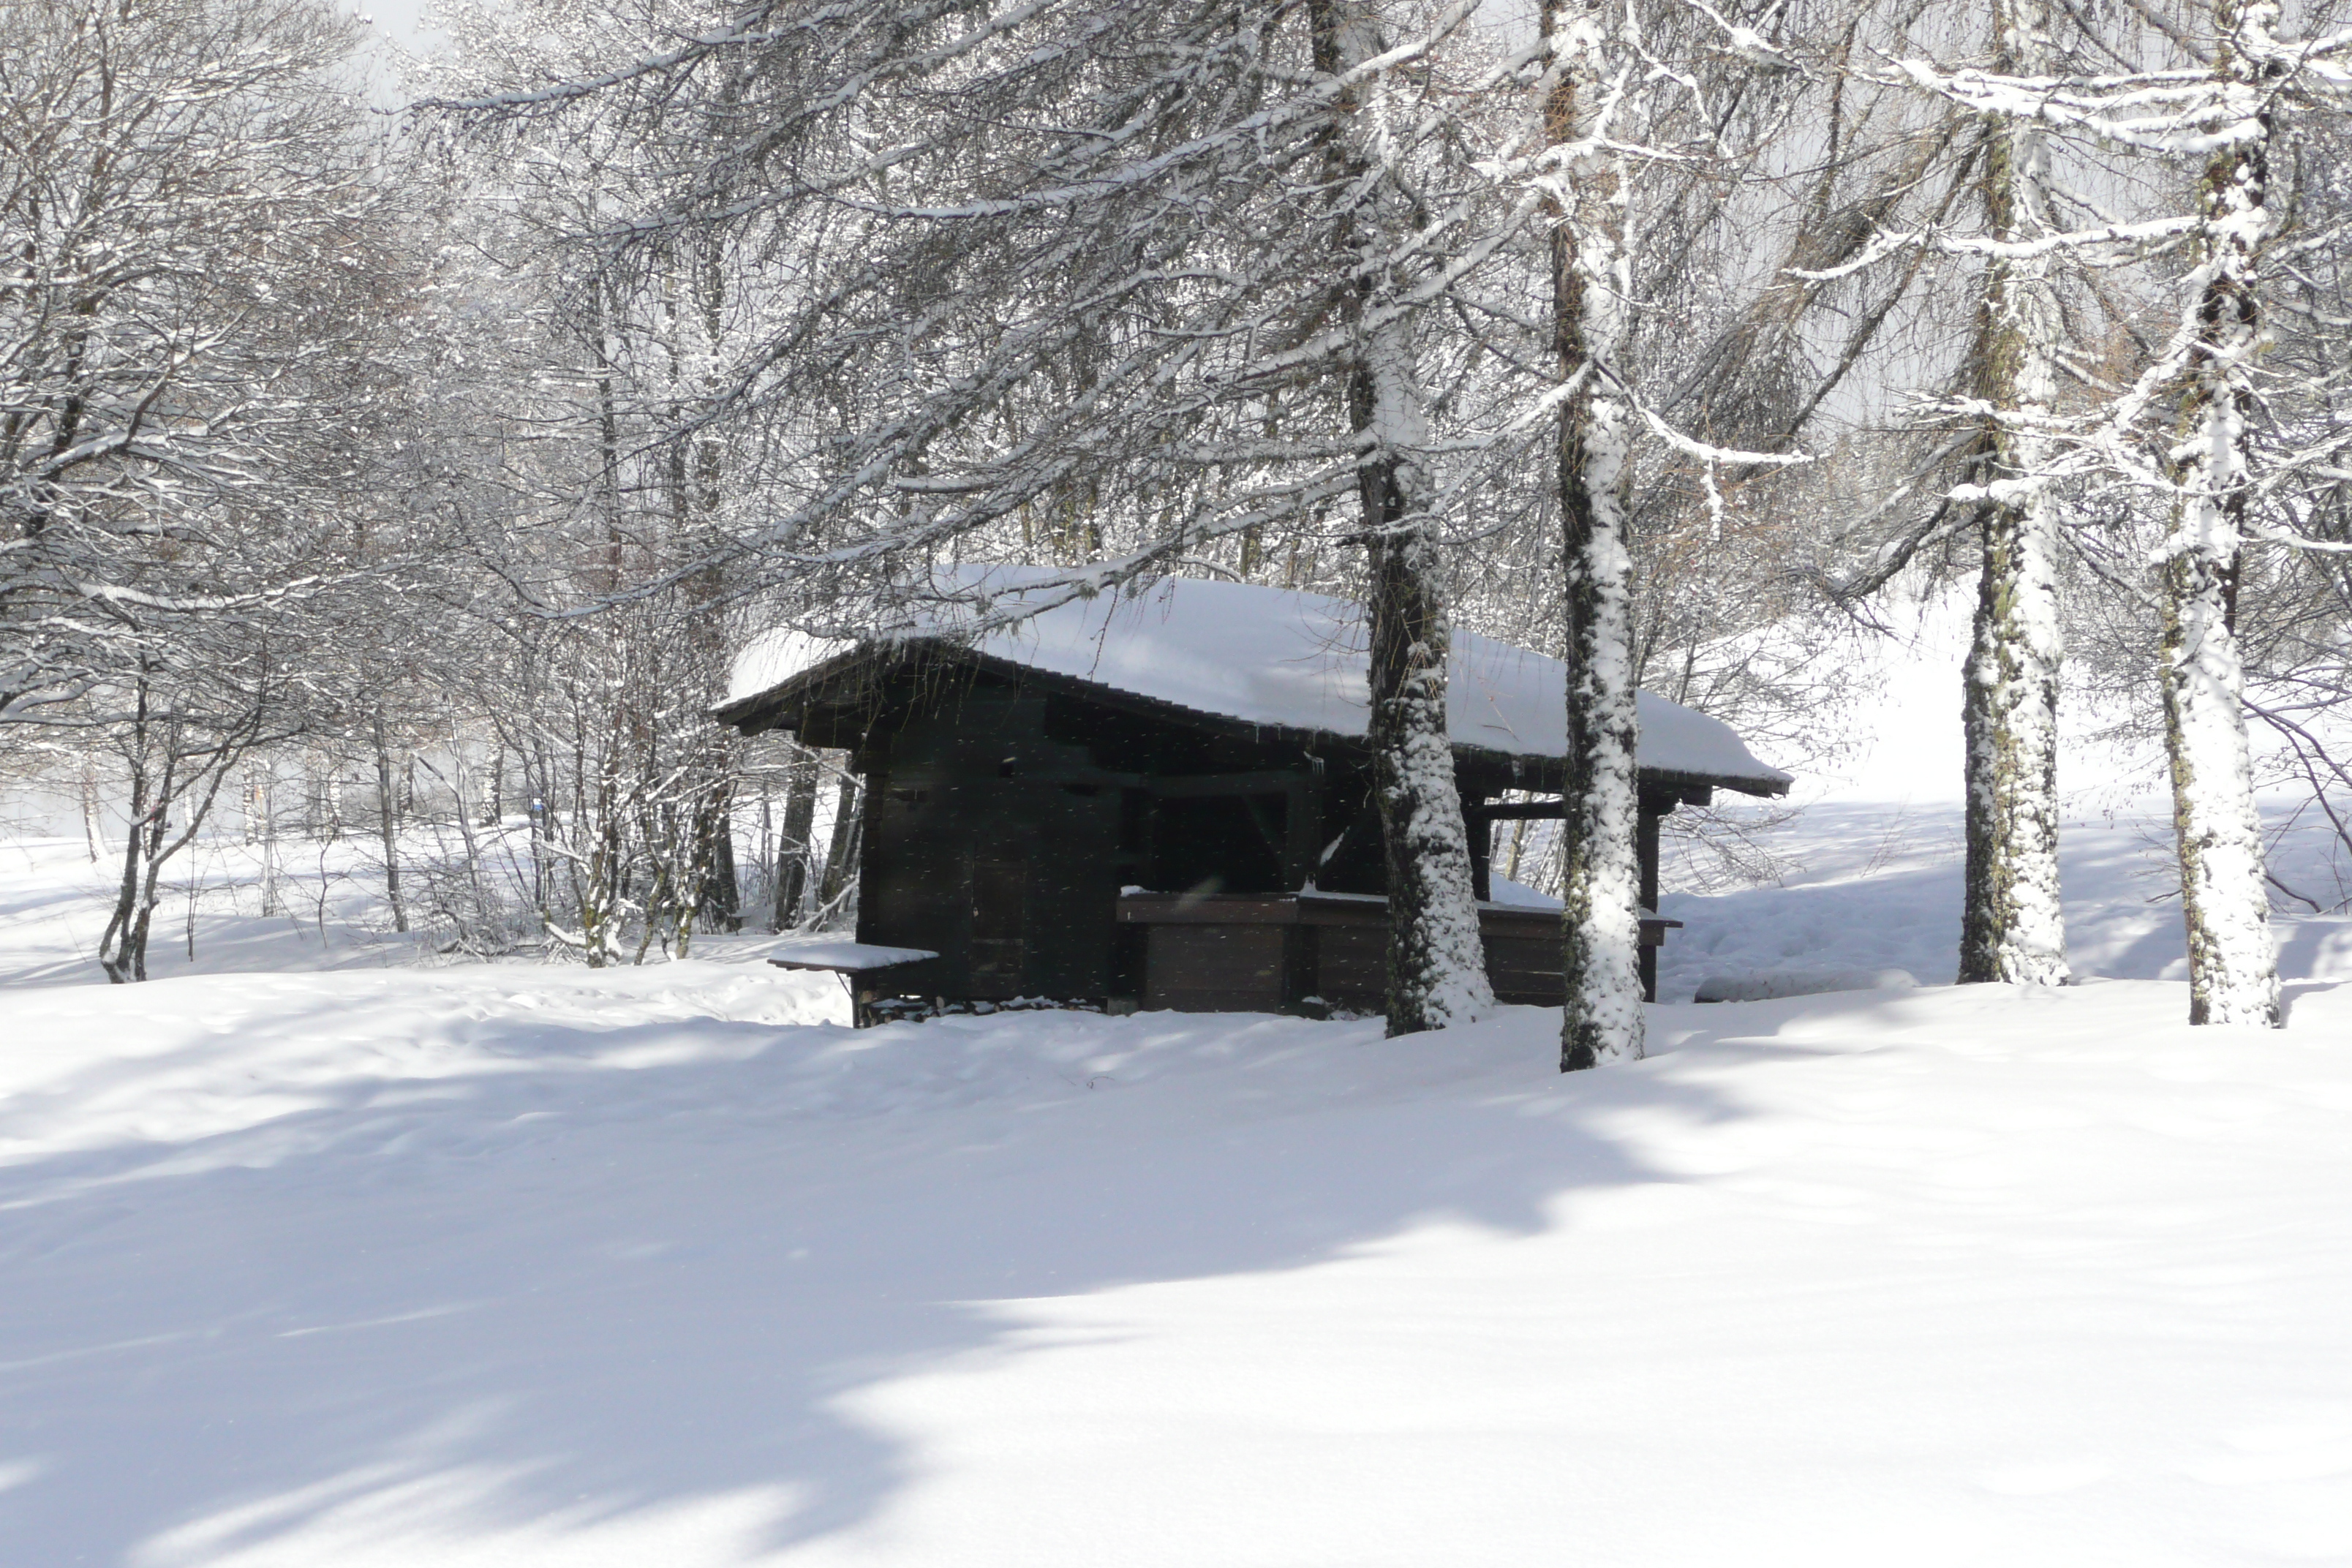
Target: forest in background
416 475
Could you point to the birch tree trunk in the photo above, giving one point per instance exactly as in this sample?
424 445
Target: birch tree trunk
1436 963
2012 925
90 813
265 802
1592 322
2232 966
388 825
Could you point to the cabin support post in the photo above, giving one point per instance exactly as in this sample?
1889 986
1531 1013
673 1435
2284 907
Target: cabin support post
1302 972
1303 826
1302 952
1477 817
1655 807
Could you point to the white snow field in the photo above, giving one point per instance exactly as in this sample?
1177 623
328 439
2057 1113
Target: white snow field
316 1257
510 1264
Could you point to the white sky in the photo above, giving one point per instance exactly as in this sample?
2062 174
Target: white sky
398 23
398 19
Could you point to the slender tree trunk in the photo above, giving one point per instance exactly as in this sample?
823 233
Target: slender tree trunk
142 883
2232 966
388 825
719 898
793 845
1592 314
1436 963
539 791
265 800
142 921
116 954
841 854
461 785
2012 924
89 823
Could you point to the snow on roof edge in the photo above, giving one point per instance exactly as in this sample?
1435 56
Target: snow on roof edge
1257 654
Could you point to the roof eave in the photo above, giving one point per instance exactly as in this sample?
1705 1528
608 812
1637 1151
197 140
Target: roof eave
744 710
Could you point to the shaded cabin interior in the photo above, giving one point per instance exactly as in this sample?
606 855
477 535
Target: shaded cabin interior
1050 835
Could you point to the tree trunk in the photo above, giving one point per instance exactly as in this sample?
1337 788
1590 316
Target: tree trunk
841 854
2012 924
122 949
1591 290
1436 963
120 953
90 813
793 845
388 825
265 802
2232 966
719 899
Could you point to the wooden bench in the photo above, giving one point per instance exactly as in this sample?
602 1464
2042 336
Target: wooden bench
851 960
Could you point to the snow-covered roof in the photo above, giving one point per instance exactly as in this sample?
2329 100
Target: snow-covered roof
1262 655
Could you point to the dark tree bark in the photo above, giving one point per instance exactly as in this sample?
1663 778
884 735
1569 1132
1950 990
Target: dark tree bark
720 901
792 843
841 854
1436 963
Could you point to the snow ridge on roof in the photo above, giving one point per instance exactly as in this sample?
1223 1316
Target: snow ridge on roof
1262 655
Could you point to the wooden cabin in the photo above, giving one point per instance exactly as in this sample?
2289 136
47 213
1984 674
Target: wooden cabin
1164 800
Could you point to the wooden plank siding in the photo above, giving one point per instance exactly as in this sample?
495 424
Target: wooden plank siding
1310 952
1009 813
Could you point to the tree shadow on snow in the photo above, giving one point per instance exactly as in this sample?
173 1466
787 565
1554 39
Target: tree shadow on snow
569 1292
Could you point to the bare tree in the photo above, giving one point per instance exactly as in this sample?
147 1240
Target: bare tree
2232 966
1591 303
1436 963
197 305
183 202
2183 436
1623 96
2012 925
1235 206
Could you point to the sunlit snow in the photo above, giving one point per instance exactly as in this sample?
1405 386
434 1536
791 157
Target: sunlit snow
390 1265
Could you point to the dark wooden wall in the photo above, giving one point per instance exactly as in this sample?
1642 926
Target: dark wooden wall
996 847
1314 953
1005 817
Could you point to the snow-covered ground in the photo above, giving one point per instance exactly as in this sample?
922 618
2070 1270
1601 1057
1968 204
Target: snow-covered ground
1878 885
518 1265
316 1256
